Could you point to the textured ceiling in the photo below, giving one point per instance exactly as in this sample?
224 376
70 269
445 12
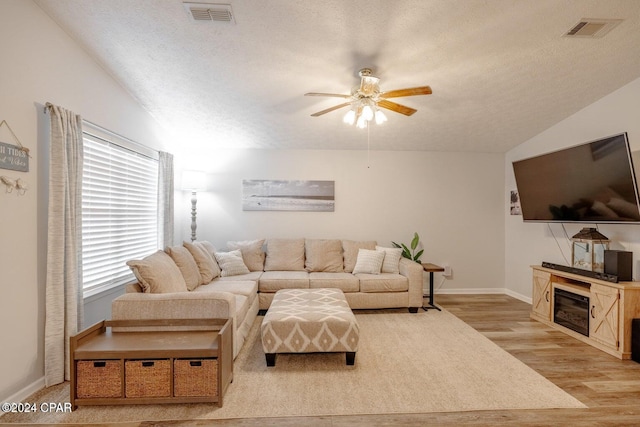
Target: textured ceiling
500 70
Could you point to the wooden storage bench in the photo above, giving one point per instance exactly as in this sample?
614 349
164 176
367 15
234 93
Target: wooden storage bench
180 361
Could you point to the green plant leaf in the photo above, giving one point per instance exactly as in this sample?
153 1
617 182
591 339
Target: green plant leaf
395 245
415 241
417 256
405 251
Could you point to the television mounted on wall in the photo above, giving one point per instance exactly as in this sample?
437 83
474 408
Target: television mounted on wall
593 182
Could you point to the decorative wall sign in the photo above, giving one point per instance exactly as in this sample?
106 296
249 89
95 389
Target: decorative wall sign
273 195
13 157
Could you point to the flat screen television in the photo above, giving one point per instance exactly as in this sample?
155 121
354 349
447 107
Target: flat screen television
593 182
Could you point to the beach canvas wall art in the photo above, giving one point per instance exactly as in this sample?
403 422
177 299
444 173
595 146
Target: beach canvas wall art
286 195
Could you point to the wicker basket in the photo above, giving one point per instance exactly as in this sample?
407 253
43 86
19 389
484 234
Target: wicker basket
147 378
98 378
195 377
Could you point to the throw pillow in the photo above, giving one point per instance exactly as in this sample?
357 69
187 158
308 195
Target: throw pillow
391 263
323 255
369 261
284 255
157 274
186 264
231 263
252 253
207 266
350 248
207 246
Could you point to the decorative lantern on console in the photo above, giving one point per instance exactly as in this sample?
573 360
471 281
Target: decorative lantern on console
587 250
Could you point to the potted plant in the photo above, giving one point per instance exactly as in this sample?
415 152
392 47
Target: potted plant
411 254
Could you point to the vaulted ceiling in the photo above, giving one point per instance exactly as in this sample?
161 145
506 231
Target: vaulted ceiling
501 71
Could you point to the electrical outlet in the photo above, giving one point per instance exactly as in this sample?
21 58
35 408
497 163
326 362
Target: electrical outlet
447 271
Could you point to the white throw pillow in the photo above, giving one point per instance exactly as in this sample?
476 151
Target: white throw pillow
252 253
391 263
231 263
369 261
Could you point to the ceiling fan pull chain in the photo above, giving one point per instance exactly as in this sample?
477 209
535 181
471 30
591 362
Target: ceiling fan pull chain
368 147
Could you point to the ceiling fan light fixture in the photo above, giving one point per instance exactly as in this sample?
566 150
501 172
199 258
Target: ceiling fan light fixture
380 117
366 100
367 112
350 117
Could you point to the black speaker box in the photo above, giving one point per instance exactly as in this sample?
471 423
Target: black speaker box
635 340
619 263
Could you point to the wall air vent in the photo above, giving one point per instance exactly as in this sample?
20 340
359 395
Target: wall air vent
212 12
592 28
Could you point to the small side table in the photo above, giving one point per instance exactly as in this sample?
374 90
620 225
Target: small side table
431 268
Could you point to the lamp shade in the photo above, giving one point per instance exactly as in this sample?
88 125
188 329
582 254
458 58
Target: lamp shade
193 180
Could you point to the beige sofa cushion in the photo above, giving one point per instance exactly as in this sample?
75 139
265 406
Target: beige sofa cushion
346 282
350 250
272 281
369 261
252 253
384 282
207 265
208 246
284 255
231 263
157 273
323 255
391 263
187 265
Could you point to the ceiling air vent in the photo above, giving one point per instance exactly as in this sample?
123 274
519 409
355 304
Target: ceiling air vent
592 28
213 12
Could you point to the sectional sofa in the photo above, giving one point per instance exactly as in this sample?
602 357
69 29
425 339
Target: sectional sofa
195 280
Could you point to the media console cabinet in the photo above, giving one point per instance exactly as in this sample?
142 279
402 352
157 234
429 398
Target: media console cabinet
185 361
607 308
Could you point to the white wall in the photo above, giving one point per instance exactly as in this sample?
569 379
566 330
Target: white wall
40 64
532 243
453 200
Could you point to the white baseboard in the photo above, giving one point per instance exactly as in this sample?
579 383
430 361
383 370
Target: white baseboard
478 291
25 392
471 291
519 296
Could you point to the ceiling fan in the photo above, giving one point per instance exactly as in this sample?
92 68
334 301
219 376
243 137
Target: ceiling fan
366 100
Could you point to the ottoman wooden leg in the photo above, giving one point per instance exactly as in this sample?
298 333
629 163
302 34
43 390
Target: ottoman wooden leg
351 357
271 359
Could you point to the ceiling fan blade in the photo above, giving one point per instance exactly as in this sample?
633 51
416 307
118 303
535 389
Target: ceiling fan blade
407 111
422 90
333 95
328 110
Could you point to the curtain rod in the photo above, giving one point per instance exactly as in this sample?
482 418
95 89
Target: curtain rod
117 135
154 153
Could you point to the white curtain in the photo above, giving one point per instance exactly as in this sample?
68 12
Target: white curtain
165 199
64 308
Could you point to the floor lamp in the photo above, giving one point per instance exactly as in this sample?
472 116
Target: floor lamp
193 181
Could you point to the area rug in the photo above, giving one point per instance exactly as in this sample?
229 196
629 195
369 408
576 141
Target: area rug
406 363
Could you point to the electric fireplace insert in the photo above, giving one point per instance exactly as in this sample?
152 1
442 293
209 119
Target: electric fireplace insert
571 310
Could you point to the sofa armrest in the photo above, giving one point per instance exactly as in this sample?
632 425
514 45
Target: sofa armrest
180 305
413 271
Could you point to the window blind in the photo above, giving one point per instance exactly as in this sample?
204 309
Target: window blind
119 212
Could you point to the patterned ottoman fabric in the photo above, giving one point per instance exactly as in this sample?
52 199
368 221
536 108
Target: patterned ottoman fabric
309 321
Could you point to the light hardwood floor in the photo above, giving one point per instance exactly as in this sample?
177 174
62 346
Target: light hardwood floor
608 386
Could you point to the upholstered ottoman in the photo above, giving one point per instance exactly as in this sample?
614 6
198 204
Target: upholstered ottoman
309 321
